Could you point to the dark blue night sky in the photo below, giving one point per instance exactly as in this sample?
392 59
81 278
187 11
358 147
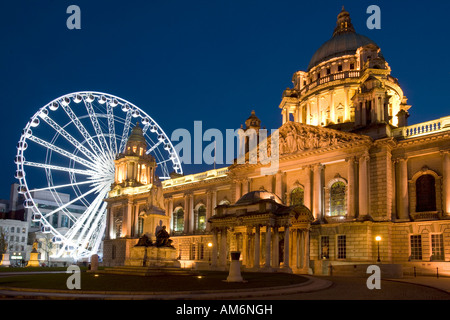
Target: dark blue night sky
214 61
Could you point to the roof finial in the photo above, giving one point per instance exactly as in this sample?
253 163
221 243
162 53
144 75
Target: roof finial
344 23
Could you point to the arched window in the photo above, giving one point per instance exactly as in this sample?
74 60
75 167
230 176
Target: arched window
297 196
425 193
178 220
201 217
337 199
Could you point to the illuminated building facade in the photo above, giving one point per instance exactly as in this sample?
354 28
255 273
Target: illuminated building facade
349 162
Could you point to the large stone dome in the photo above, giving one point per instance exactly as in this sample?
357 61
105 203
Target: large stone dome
345 41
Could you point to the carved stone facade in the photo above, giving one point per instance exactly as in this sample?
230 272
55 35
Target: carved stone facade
347 154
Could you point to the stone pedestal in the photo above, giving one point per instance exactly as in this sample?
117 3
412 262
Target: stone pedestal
5 260
235 268
33 262
94 262
153 257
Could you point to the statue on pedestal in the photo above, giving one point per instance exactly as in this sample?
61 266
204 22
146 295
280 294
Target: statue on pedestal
163 238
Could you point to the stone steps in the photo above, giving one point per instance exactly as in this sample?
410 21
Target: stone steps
147 271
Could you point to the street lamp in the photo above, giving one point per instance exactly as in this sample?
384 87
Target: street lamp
378 239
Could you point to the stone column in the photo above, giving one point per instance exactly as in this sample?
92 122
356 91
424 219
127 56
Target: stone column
192 221
446 182
346 106
109 224
268 243
208 209
286 247
170 213
257 247
186 213
351 188
317 192
127 220
403 211
306 249
214 249
275 249
244 253
363 185
223 249
308 188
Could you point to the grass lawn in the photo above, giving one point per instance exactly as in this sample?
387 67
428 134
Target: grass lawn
109 282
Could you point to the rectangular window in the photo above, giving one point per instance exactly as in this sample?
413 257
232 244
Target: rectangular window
339 68
192 257
341 247
437 247
352 66
416 247
324 247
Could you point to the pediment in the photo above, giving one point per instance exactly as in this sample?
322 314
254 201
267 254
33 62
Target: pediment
297 137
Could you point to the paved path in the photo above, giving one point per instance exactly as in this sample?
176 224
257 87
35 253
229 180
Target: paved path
316 288
347 288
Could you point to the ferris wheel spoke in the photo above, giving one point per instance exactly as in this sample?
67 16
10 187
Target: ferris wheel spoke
81 222
68 137
68 185
97 128
76 121
94 222
61 151
126 129
52 167
111 128
71 202
154 146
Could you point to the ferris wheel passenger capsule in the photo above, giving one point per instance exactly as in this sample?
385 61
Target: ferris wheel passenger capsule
65 101
114 102
102 100
45 229
36 217
28 204
77 98
90 98
22 189
153 128
22 145
27 133
161 137
34 122
126 107
135 113
53 106
145 121
167 146
56 240
19 174
19 159
43 113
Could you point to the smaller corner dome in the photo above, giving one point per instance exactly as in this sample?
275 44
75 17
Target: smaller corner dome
256 196
137 135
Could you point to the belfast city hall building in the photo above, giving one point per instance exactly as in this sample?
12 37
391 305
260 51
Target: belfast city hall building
356 184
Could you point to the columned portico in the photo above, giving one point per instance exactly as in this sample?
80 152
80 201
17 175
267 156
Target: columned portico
261 218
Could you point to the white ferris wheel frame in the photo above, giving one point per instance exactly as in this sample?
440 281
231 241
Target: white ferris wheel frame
96 153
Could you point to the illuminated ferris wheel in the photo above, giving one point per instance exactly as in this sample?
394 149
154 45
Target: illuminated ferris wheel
68 148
